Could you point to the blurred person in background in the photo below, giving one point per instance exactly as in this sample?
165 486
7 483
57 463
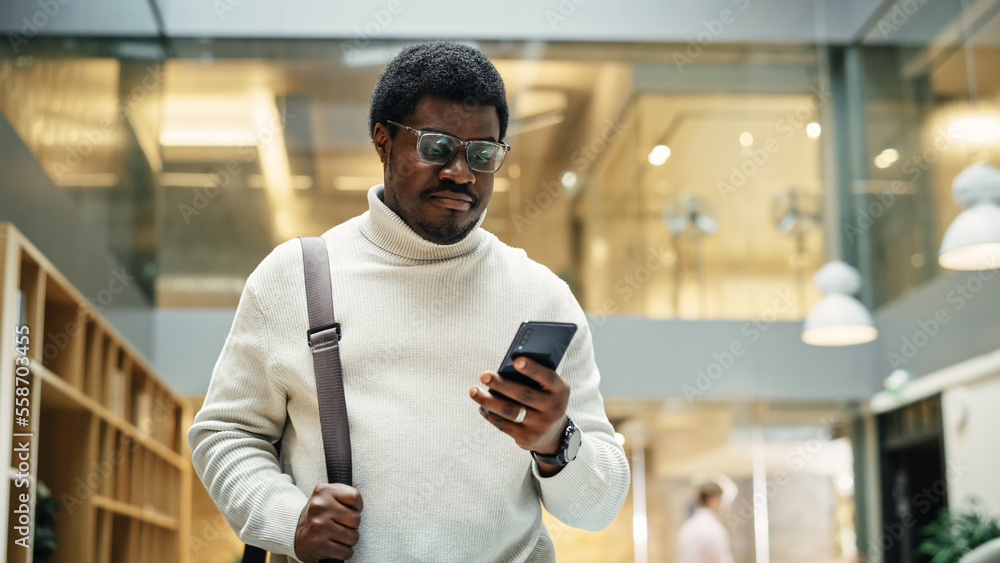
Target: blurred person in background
703 538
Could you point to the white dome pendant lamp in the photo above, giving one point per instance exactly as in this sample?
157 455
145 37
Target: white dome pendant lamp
972 241
838 319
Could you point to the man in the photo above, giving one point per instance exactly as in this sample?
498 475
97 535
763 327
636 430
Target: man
427 300
703 538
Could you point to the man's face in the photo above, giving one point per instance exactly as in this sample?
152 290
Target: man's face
441 202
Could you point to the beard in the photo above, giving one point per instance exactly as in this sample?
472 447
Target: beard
446 233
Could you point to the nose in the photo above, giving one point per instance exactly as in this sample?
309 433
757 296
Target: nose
457 170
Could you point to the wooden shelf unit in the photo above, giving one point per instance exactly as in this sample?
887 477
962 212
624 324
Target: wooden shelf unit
105 434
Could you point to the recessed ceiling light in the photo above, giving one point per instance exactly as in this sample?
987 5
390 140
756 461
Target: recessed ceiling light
568 180
659 155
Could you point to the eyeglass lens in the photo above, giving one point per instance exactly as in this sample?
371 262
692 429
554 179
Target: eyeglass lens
482 156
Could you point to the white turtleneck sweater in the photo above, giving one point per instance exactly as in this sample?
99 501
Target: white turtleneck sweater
421 322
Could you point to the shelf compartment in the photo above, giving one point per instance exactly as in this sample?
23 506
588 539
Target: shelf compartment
103 536
142 400
95 344
64 323
60 392
31 283
121 530
166 419
66 452
107 460
118 376
123 471
137 476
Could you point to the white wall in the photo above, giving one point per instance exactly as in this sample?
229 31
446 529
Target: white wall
727 360
948 320
187 344
973 452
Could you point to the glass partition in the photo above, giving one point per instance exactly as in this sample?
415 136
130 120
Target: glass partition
91 117
655 182
206 159
931 107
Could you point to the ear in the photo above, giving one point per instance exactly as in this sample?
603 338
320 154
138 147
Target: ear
382 141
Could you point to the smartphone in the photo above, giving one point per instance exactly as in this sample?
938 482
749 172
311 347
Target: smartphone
546 343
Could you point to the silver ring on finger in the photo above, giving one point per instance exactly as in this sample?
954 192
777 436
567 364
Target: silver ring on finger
520 415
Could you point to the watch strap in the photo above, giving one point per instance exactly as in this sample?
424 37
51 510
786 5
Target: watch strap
560 456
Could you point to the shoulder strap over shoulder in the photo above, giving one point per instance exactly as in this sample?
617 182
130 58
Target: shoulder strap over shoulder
323 337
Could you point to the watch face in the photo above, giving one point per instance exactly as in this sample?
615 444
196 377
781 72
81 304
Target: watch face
573 445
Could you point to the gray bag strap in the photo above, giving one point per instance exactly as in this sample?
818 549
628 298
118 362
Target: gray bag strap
323 338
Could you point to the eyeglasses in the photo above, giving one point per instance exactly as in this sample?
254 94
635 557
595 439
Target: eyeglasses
439 148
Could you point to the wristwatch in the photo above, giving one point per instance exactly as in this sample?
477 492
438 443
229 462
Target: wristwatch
569 445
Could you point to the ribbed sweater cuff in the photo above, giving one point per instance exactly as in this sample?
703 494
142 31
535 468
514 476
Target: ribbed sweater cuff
573 480
586 493
278 535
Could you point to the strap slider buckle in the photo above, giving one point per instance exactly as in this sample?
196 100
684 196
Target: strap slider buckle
312 331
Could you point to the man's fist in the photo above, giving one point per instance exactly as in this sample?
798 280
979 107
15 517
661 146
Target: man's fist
328 525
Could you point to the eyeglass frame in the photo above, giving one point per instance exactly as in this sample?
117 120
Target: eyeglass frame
462 143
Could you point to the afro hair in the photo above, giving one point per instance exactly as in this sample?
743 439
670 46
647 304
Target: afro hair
445 69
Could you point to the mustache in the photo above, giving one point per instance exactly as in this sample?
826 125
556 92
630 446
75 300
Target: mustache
450 187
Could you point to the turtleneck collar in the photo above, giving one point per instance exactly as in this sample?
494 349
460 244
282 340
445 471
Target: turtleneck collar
388 231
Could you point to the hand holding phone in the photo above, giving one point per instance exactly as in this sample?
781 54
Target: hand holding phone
528 403
546 343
